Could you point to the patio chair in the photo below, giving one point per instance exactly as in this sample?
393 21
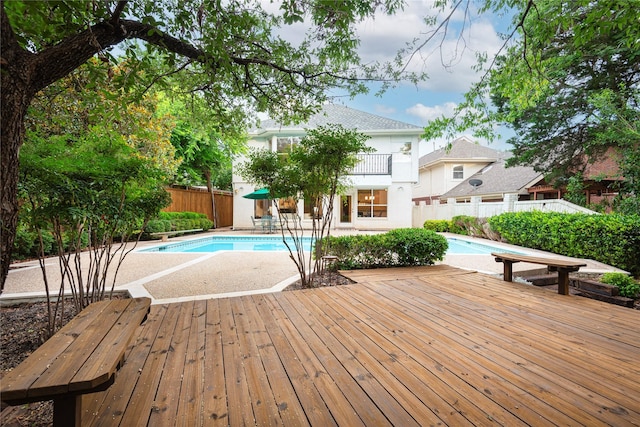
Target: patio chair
268 224
257 225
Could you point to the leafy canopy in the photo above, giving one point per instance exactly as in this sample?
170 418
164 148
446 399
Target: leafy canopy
569 88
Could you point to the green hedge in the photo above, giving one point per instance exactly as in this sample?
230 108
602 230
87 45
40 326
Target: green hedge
176 221
612 239
438 225
400 247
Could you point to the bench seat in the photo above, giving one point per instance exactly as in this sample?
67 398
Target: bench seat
165 234
80 358
562 266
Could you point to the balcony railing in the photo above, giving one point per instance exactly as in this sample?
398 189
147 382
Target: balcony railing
373 164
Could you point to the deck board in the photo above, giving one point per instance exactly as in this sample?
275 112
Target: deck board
416 346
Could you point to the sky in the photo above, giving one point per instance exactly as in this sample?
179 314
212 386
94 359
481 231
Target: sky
448 60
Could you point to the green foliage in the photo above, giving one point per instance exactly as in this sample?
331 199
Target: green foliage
176 221
467 225
612 239
90 192
155 226
626 285
400 247
576 190
438 225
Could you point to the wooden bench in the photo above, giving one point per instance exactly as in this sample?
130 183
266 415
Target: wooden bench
563 267
80 358
165 234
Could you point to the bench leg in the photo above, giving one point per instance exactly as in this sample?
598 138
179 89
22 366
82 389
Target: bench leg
508 271
563 281
67 411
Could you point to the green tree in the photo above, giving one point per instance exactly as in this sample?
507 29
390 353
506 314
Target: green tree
569 87
93 171
314 171
90 193
229 50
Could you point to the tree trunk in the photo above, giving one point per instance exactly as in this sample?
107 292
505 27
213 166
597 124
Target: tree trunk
15 102
207 175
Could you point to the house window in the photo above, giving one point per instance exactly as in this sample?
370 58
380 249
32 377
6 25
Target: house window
284 144
262 208
372 203
287 205
458 172
312 209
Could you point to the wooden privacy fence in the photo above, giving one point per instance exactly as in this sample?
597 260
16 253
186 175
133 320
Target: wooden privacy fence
194 200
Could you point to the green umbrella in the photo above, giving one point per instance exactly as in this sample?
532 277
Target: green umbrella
263 193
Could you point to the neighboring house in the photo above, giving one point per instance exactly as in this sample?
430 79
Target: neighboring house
446 173
380 195
469 179
494 182
601 180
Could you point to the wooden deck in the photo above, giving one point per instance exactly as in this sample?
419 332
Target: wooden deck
423 346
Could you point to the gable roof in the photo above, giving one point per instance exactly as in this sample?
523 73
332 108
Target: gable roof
341 115
461 149
497 179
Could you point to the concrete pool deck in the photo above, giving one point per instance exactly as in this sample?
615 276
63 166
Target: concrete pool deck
178 277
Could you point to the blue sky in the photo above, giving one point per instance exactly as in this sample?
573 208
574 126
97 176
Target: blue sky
448 60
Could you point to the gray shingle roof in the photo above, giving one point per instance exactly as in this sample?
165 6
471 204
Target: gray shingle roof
345 116
496 179
461 148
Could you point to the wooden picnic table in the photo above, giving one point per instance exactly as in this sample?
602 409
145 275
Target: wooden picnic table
563 267
80 358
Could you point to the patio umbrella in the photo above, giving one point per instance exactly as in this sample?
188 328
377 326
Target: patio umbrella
263 193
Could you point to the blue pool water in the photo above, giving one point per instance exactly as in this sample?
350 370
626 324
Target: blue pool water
464 247
274 243
230 243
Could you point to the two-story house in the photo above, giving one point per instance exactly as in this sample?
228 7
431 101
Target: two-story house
380 194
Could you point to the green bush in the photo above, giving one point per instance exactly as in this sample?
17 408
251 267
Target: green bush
155 226
461 224
401 247
612 239
204 223
626 285
177 221
438 225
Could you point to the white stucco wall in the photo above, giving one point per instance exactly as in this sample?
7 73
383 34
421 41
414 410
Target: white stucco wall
398 185
438 179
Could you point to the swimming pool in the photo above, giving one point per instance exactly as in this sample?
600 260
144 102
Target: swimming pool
230 243
274 243
465 247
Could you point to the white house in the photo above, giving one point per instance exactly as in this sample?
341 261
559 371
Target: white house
469 179
380 194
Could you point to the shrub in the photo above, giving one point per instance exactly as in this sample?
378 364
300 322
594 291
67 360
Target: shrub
204 223
401 247
155 226
612 239
626 285
463 224
438 225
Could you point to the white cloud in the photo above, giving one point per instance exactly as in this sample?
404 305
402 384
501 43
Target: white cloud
447 59
425 114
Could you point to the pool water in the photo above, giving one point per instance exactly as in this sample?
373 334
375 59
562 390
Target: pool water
464 247
274 243
231 243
